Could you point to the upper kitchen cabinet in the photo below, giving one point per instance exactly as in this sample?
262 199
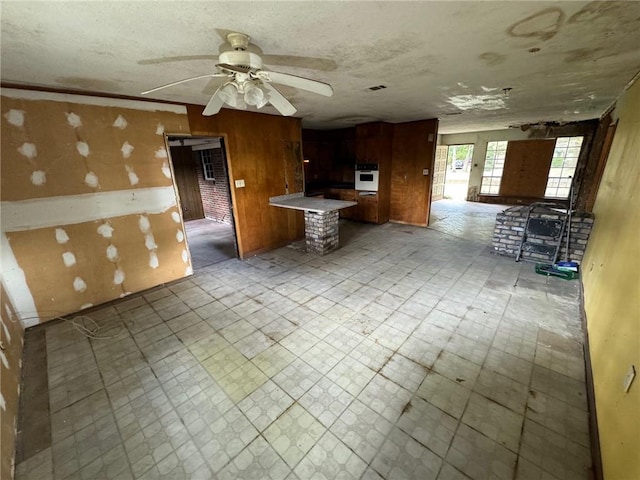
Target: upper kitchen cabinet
330 157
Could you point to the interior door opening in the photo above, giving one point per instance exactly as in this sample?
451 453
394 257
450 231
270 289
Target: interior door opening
202 180
457 172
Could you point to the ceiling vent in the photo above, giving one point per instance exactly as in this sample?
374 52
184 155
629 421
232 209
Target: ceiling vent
377 87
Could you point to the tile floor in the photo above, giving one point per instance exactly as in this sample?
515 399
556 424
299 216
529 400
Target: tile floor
407 353
210 242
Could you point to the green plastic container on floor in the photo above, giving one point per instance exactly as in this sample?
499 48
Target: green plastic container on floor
553 271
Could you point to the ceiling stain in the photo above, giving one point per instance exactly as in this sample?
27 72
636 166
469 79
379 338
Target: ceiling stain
581 55
492 58
95 84
478 102
594 10
543 25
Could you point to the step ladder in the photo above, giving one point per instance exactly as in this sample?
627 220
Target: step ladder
542 237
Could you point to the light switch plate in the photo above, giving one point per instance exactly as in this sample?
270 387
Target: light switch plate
425 171
430 137
628 379
239 183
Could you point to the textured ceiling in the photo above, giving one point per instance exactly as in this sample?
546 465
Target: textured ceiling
563 61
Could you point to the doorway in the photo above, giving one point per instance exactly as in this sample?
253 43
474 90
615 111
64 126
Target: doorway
458 170
202 180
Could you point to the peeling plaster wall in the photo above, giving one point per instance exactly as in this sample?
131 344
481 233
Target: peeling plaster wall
611 301
89 210
12 337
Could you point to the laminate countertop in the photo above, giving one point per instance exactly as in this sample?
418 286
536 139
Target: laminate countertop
298 201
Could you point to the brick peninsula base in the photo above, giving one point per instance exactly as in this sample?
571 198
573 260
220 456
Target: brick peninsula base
320 219
321 231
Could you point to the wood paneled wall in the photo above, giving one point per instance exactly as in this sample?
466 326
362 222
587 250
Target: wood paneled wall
414 145
526 168
266 152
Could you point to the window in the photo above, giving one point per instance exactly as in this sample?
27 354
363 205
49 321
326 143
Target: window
207 164
493 168
563 166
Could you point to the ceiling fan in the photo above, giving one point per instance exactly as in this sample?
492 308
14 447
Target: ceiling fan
248 83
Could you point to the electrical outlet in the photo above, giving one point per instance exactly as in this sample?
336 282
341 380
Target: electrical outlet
239 183
628 379
425 171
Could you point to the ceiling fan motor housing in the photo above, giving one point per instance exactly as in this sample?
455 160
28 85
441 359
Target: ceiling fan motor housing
241 58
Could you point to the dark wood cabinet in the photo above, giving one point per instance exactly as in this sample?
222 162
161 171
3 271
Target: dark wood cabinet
368 209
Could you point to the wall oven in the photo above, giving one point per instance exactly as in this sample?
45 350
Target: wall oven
367 177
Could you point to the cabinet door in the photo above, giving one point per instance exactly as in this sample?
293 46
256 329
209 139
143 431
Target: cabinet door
368 209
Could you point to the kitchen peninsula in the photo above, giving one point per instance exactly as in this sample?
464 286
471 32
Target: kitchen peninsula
320 219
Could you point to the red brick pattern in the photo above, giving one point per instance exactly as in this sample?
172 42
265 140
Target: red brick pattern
215 193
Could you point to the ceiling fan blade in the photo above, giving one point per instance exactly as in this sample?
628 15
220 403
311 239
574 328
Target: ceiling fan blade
311 63
215 103
297 82
278 101
209 75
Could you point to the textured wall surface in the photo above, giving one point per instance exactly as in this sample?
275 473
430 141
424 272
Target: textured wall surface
88 203
611 284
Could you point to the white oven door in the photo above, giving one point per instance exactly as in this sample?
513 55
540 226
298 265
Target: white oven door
367 180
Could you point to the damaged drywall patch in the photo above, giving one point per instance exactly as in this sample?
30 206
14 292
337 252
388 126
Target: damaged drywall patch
54 211
79 284
478 102
74 120
112 253
61 236
83 148
69 259
28 150
120 122
15 117
127 149
133 177
91 179
105 230
166 170
16 283
118 277
38 178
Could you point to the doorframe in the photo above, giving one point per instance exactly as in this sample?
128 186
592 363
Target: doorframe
232 197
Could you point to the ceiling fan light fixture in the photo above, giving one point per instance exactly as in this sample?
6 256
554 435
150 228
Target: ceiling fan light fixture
253 95
229 94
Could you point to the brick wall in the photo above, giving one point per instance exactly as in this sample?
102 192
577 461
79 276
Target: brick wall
510 225
215 193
